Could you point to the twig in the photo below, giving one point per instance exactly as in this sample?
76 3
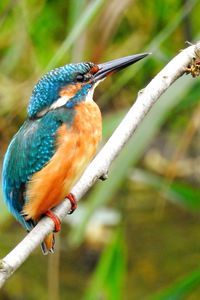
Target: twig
100 165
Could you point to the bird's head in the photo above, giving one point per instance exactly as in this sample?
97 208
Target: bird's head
67 86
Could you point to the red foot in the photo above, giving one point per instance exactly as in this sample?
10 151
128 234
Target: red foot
73 201
55 219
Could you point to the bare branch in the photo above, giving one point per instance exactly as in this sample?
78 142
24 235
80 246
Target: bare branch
100 165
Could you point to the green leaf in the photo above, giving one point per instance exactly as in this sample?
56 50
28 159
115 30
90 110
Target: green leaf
180 289
154 47
79 27
180 193
108 278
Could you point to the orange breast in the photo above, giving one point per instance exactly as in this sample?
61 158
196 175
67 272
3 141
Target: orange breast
76 146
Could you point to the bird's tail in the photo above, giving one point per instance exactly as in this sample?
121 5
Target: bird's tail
48 244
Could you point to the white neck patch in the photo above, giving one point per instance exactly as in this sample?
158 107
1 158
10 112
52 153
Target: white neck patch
60 102
90 94
64 99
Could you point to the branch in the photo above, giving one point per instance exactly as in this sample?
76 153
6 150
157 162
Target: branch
100 165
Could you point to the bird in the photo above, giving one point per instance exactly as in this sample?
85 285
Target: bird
57 141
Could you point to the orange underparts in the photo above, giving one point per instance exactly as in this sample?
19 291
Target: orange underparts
75 147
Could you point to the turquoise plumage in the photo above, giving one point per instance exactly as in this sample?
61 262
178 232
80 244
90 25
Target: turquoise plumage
57 141
31 148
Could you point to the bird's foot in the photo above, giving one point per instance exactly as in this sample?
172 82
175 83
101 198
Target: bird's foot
73 202
55 219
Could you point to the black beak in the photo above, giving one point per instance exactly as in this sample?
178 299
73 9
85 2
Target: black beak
115 65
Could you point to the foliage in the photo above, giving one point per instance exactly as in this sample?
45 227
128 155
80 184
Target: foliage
155 245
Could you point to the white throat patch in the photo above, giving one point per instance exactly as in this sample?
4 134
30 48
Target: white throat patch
64 99
90 94
60 102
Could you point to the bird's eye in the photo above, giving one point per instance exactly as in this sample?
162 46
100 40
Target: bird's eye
80 78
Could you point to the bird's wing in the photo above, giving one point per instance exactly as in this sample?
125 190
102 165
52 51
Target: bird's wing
31 148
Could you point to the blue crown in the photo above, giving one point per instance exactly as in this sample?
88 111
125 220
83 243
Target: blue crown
46 91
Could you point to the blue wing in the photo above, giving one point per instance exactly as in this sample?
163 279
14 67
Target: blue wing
30 149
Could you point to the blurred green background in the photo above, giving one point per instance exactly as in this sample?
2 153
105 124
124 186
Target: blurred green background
135 236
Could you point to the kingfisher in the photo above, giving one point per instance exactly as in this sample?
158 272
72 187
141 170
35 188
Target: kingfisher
55 144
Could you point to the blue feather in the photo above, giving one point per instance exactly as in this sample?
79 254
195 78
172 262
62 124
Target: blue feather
47 89
29 151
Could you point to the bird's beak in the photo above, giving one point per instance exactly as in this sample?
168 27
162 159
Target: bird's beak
116 65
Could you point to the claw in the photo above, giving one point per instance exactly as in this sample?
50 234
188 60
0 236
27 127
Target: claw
73 202
55 219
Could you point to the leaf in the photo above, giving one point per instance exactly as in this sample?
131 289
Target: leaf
79 27
180 193
180 289
153 47
108 278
